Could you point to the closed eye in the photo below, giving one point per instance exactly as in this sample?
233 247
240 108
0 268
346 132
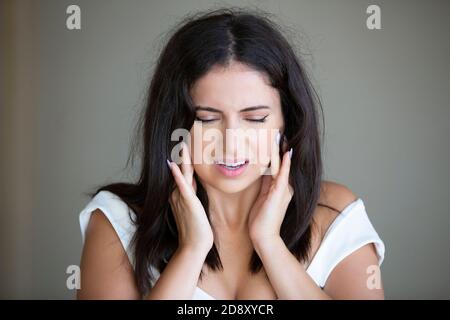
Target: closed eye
263 119
205 120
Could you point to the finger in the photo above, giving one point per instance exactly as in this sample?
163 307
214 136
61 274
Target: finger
194 184
291 190
284 147
186 164
174 195
182 185
172 198
284 144
275 156
283 175
265 184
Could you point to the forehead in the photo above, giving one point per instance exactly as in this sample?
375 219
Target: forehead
235 86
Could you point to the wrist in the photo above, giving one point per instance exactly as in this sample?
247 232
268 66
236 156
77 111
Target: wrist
194 250
267 243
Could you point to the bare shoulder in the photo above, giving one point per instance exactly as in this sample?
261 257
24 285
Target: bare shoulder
106 272
348 279
99 225
333 199
336 195
100 233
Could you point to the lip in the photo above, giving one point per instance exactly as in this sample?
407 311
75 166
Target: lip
231 172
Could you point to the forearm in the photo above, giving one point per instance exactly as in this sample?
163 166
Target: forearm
179 279
286 274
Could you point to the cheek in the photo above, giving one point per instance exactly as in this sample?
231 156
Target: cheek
203 146
260 149
202 171
267 145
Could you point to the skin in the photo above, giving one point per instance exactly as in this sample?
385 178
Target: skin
245 213
230 90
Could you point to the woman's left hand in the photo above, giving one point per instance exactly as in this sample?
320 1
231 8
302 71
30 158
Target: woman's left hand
267 214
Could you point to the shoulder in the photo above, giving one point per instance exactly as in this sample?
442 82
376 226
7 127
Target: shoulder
115 213
101 235
100 227
333 199
336 195
108 213
349 253
105 268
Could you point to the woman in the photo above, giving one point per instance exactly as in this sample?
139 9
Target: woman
236 224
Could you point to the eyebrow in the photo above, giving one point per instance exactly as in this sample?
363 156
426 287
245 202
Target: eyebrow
206 108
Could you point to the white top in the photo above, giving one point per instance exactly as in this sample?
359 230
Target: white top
350 231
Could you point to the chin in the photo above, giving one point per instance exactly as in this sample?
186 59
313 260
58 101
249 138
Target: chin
234 184
230 187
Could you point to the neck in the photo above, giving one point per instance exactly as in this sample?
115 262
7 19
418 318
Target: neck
229 212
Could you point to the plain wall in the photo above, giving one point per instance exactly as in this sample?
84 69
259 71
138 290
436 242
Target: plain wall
69 101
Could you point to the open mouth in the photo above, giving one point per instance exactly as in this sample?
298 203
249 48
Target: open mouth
232 166
231 169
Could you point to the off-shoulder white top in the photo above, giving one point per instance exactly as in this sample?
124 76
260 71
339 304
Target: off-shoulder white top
350 231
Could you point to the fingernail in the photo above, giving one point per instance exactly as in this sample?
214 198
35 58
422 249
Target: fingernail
278 138
290 153
168 163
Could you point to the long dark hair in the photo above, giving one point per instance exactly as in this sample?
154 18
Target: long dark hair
198 43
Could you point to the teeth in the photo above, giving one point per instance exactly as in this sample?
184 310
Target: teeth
231 165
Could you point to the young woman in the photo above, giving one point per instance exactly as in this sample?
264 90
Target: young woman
229 227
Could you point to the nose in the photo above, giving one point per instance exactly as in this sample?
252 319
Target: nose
234 141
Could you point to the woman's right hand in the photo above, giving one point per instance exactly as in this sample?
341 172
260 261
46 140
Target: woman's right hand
194 229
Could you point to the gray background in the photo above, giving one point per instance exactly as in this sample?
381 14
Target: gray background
69 100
